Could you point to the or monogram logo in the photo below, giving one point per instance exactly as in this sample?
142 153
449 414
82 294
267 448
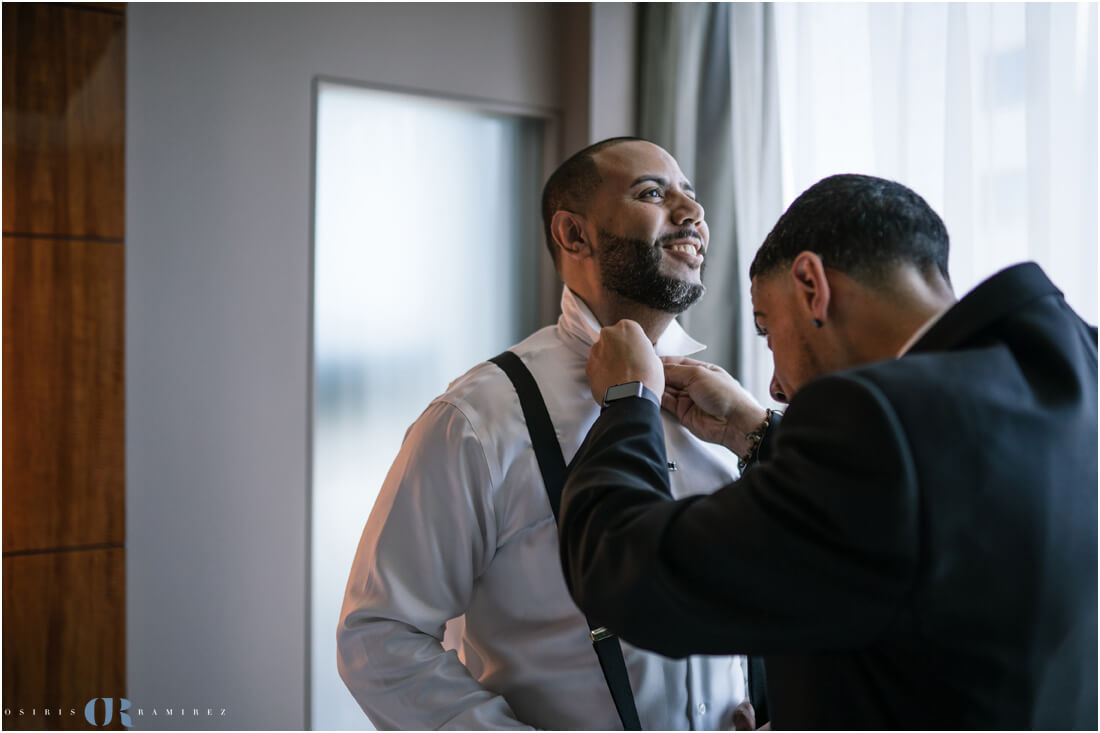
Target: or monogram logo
108 711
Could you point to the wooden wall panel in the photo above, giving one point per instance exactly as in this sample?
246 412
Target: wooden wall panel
64 120
64 589
64 636
64 396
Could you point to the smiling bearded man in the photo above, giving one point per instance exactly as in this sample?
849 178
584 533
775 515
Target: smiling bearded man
464 525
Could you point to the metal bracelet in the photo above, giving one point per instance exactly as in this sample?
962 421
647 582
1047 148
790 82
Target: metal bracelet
755 438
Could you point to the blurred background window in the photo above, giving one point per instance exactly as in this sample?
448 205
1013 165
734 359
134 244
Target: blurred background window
426 244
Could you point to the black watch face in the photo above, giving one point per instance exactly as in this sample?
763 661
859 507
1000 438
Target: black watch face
619 391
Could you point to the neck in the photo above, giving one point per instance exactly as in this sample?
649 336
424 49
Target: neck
894 319
612 308
895 328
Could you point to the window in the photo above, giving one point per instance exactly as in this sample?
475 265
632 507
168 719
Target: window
988 110
426 241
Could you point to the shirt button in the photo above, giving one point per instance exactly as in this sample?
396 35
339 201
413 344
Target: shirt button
702 708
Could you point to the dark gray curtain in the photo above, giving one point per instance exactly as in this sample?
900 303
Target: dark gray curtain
707 94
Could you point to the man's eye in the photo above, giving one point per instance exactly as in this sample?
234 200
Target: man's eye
654 193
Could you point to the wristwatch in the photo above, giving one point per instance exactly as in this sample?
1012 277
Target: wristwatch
619 391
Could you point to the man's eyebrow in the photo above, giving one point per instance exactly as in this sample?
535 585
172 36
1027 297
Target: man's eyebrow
660 181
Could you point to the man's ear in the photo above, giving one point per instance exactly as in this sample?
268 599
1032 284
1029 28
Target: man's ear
811 286
569 235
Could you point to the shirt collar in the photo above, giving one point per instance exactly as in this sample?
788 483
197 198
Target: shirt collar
580 329
920 332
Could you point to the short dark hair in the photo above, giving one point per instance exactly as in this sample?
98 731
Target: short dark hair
860 225
572 184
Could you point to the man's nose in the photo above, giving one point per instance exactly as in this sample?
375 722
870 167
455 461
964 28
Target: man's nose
777 391
687 210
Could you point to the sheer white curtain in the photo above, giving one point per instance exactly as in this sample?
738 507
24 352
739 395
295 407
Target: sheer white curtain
986 110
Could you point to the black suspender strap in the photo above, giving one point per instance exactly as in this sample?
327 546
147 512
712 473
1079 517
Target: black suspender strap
543 438
552 467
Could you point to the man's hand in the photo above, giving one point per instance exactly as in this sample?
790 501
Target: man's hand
623 353
744 716
710 403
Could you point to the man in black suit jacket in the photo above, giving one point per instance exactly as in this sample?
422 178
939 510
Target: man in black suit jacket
913 544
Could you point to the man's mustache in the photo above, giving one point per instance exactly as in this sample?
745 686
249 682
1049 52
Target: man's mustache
687 233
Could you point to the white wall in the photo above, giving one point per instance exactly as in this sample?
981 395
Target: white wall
218 313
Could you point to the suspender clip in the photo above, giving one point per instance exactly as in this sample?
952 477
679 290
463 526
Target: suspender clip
600 634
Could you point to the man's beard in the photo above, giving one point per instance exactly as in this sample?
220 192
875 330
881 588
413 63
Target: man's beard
632 269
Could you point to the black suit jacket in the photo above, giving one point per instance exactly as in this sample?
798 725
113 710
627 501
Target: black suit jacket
915 548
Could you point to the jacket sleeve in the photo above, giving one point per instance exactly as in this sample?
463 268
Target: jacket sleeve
816 547
430 535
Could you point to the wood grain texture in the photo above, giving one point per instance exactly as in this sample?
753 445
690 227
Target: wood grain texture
105 7
64 395
64 636
64 120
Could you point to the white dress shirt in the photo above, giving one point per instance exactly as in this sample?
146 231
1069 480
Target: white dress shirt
462 526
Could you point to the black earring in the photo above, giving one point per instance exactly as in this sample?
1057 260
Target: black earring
818 323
